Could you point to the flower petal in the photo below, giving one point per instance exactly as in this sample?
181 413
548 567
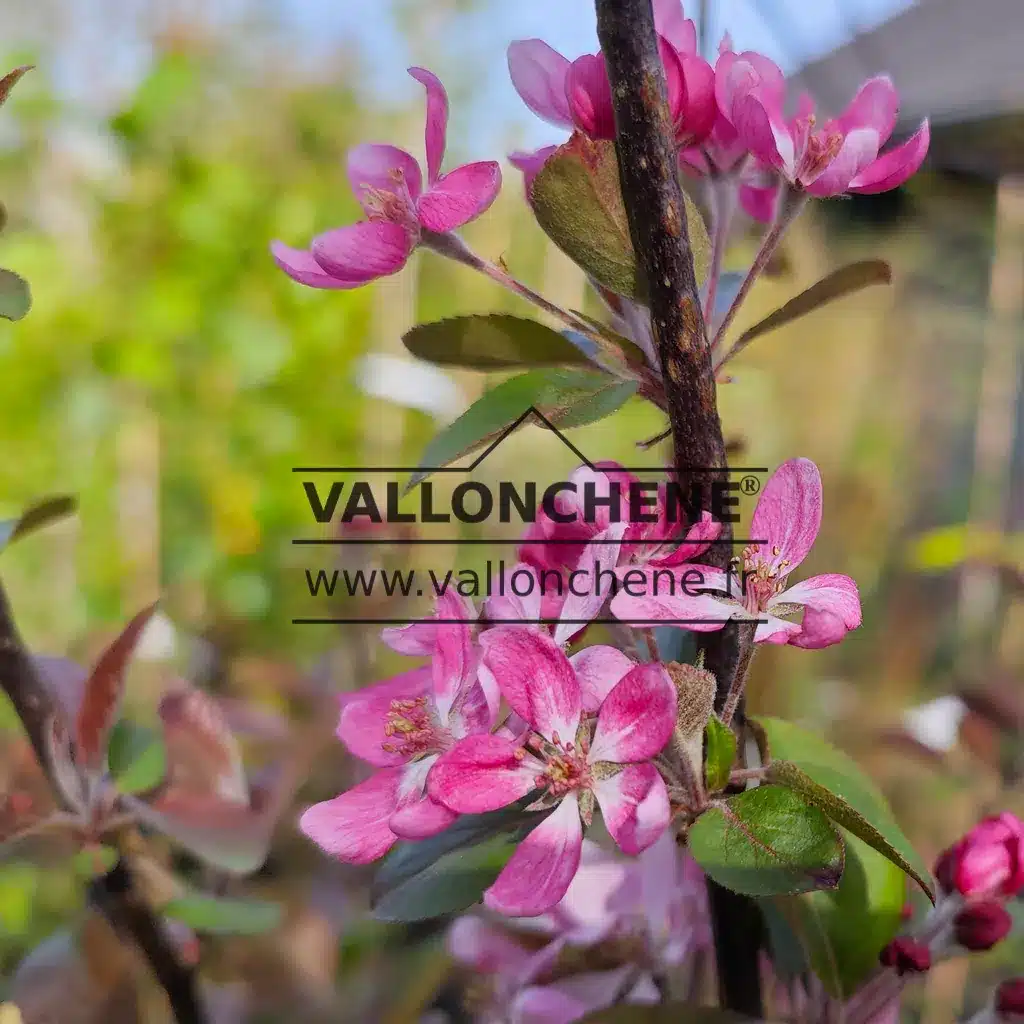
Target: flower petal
542 867
586 593
482 773
634 805
677 601
788 514
530 163
300 266
436 126
859 149
759 203
831 608
459 196
589 94
698 110
420 818
698 539
875 106
354 826
892 169
773 630
636 718
535 677
571 998
376 167
672 24
363 251
417 639
538 75
364 715
599 668
476 943
454 660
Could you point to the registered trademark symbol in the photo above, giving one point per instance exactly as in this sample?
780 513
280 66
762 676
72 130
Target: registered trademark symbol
750 484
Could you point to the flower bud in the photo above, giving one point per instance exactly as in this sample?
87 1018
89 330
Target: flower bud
988 861
1010 1000
906 955
695 693
980 926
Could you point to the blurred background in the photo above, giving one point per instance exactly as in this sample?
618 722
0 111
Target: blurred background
170 376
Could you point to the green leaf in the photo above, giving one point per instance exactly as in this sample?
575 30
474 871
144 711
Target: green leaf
136 757
577 200
568 398
93 861
15 295
217 915
841 796
664 1013
43 513
839 774
492 342
843 931
768 841
450 884
720 753
851 278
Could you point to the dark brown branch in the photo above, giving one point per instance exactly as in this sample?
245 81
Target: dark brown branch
648 169
113 893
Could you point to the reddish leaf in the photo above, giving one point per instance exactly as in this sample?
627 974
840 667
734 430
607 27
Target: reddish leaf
203 758
101 699
10 80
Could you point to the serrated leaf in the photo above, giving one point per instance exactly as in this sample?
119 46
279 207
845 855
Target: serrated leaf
664 1013
840 283
841 798
720 753
497 341
101 698
136 758
35 517
450 884
568 398
15 295
577 200
829 767
768 841
219 915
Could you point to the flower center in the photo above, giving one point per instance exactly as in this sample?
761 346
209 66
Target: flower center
410 728
391 204
761 579
566 767
821 149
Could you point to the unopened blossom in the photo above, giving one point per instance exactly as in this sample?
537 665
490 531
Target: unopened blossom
785 525
388 183
842 155
906 955
401 726
980 926
577 94
1009 1000
565 759
988 861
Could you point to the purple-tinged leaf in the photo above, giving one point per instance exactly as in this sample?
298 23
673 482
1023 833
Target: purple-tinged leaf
10 80
101 699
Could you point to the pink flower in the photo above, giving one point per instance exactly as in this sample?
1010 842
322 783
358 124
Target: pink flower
401 726
842 155
988 861
786 521
567 760
577 94
388 183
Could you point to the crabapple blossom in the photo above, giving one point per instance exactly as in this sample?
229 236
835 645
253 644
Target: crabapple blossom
784 526
567 760
401 726
988 861
388 183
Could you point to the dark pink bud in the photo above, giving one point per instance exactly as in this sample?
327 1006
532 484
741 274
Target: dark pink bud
988 861
1010 998
981 925
906 956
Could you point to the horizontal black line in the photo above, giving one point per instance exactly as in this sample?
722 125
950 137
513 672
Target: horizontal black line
467 469
412 542
520 622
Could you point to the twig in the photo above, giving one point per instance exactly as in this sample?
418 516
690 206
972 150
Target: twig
113 893
657 222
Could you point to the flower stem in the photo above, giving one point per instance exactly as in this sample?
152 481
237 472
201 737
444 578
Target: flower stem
722 194
792 203
739 679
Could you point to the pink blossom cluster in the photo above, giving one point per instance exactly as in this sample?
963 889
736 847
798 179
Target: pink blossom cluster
502 713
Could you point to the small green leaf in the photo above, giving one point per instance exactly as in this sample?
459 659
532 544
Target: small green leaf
839 773
136 757
15 295
217 915
496 341
568 398
93 861
840 797
664 1013
768 841
720 753
577 200
35 517
851 278
450 884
